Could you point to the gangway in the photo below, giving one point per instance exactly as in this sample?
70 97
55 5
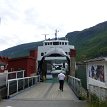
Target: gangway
46 94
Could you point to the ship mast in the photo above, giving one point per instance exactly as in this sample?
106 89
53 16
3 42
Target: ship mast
56 31
45 35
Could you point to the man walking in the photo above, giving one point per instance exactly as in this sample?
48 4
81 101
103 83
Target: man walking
61 78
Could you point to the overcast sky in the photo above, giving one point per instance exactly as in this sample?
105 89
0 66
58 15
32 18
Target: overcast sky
25 21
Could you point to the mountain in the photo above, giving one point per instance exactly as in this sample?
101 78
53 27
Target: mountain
89 43
20 50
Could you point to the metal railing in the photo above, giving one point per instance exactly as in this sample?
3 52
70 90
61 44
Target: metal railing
75 84
15 74
14 86
11 75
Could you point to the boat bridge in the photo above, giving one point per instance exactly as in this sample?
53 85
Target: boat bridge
30 92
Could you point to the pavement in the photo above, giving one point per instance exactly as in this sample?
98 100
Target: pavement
44 95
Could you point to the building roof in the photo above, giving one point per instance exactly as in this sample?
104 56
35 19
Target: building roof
96 59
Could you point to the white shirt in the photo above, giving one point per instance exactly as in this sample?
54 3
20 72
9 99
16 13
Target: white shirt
61 76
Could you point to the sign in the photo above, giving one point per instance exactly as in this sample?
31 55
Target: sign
96 72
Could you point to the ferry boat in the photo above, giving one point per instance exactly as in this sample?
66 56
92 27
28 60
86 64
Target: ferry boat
55 52
54 47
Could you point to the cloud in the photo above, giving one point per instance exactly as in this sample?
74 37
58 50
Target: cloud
24 21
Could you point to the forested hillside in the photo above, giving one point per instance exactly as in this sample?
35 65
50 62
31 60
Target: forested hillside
89 43
20 50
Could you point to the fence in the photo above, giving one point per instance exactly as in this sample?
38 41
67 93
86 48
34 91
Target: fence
100 92
13 82
76 86
18 84
4 77
15 74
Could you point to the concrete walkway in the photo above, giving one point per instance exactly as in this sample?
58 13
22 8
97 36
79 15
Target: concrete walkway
44 95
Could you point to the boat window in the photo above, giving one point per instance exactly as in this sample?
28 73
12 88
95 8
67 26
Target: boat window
62 43
42 54
55 43
46 43
65 43
50 43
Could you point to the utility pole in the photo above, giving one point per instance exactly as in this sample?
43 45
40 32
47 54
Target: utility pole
45 35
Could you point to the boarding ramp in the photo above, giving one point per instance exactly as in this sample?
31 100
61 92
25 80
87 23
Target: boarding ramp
44 94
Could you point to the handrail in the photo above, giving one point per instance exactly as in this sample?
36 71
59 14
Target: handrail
75 84
16 72
20 86
13 72
74 78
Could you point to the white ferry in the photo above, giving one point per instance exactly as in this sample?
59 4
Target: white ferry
54 48
55 52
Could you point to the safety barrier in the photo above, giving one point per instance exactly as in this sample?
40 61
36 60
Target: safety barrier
14 86
75 84
5 76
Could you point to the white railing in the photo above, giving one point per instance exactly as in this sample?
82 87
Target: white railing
16 74
11 75
14 86
75 84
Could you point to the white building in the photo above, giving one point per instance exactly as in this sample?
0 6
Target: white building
97 72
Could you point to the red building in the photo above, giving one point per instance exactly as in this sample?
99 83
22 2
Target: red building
27 63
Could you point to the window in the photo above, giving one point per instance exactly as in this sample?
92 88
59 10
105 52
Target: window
55 43
42 54
50 43
45 43
65 43
62 43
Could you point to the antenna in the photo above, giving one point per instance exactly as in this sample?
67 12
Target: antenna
45 35
56 31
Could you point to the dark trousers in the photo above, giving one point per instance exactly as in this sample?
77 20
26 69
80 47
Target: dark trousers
61 84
